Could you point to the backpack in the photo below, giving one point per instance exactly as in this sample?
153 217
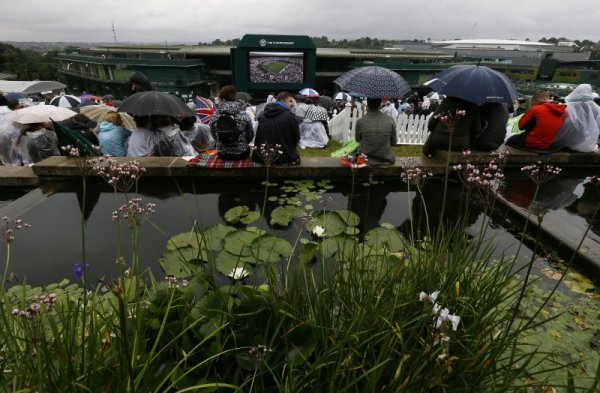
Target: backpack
227 129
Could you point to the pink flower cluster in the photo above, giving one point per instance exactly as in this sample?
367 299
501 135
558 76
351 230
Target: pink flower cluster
450 119
415 175
133 212
269 153
175 282
10 226
121 176
35 308
541 173
481 177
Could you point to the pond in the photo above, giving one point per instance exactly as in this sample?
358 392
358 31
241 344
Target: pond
48 250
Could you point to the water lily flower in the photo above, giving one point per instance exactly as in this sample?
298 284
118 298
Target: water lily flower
238 273
318 231
432 297
445 316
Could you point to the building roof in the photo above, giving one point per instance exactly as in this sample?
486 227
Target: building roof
30 87
486 42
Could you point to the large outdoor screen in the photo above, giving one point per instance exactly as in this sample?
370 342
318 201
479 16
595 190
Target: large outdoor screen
276 67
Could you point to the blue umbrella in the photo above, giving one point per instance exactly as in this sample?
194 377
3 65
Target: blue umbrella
342 96
373 82
15 96
474 83
309 92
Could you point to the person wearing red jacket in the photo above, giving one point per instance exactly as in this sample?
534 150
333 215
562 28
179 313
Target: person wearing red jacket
541 123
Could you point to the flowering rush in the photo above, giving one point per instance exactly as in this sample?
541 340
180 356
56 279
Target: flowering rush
10 226
540 173
269 153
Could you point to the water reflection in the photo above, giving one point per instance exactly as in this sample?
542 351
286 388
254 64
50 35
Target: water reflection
460 211
587 206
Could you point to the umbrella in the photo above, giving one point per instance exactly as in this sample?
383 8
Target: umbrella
41 114
99 112
474 83
67 136
373 82
316 113
243 96
205 109
154 102
327 102
65 101
108 97
89 98
309 92
342 96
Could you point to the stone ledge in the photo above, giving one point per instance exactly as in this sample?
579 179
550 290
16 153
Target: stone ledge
18 176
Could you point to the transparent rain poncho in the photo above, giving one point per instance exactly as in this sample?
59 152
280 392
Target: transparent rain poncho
581 128
312 134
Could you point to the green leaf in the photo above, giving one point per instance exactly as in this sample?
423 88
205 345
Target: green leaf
212 237
182 240
179 263
342 246
250 217
349 217
226 262
269 248
308 252
239 241
241 214
330 220
381 239
303 340
273 198
284 215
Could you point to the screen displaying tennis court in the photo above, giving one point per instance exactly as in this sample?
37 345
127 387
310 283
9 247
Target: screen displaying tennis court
276 67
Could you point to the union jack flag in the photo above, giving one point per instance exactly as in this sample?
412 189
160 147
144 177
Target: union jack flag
205 109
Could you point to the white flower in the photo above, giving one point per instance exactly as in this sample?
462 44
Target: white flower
238 273
432 297
318 231
445 316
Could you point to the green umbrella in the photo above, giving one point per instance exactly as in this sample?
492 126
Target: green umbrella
67 136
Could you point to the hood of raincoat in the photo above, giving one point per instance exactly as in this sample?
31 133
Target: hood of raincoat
582 93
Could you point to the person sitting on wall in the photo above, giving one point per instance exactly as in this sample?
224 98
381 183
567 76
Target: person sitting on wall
376 134
541 123
231 127
278 126
448 129
494 117
581 128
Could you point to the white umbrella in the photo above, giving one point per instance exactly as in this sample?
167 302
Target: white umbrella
41 114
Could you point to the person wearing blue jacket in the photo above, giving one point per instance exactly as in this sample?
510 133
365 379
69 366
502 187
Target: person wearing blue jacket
113 136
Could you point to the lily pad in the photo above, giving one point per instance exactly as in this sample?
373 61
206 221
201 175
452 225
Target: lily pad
342 246
349 217
385 239
284 215
239 241
182 262
182 240
308 251
241 215
212 237
330 220
271 249
226 262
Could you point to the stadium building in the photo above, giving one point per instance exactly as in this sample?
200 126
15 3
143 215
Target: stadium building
189 70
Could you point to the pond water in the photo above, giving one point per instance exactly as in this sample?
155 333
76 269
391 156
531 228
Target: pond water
48 250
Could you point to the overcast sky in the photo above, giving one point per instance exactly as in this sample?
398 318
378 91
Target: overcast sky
205 20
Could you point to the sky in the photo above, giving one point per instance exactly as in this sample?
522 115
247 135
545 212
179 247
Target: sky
192 21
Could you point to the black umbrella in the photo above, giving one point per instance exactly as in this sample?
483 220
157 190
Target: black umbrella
474 83
327 102
373 82
243 96
153 102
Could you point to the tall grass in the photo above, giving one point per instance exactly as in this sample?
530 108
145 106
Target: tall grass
430 312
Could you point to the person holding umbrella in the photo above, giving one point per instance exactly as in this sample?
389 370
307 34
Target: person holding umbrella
139 82
376 133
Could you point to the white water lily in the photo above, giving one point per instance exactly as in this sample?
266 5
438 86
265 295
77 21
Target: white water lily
445 316
432 297
318 231
238 273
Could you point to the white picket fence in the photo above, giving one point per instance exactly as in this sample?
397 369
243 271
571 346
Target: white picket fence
412 129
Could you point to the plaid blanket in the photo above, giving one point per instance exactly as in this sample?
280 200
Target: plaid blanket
209 159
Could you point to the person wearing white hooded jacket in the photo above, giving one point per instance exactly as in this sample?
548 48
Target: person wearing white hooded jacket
581 129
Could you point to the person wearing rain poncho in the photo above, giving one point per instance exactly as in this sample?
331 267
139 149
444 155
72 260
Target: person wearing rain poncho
312 131
581 128
158 136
